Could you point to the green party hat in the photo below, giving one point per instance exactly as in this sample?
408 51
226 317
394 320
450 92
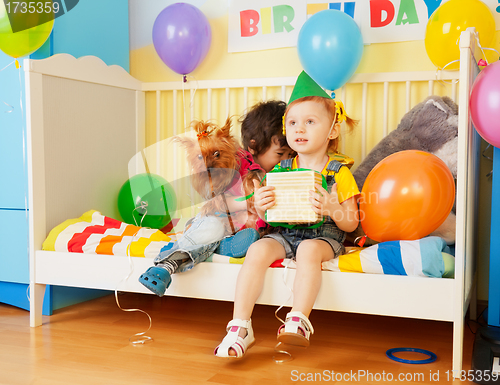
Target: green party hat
306 86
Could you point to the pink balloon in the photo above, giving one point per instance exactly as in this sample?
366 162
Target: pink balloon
485 104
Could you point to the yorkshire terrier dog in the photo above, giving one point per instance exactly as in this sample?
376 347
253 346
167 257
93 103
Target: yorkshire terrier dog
220 167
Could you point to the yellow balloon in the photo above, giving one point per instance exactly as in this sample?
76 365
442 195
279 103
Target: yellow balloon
448 21
17 44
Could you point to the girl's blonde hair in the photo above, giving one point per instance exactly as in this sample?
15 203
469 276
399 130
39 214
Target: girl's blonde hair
331 108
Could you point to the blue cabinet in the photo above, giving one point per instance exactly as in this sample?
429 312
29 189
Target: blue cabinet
14 265
92 27
14 246
13 175
494 287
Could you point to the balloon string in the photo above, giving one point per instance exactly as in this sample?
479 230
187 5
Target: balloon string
141 337
476 35
8 65
25 159
194 93
8 105
191 100
442 81
490 173
184 102
143 212
277 348
4 102
450 63
484 153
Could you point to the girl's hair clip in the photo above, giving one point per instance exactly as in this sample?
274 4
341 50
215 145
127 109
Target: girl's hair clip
340 111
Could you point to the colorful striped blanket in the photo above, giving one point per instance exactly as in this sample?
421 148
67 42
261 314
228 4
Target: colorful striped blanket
426 257
95 233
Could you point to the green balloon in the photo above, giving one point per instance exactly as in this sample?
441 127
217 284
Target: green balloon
147 200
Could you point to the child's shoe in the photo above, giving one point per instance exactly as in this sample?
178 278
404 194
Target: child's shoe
237 245
157 279
296 330
234 341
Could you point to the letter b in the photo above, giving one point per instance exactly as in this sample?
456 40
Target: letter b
248 21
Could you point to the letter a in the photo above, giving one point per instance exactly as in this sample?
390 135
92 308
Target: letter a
407 8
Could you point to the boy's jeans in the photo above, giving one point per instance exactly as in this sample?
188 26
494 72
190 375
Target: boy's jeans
197 243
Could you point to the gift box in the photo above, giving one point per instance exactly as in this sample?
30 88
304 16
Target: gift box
292 196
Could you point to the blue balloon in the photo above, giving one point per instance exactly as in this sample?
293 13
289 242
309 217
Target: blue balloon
330 47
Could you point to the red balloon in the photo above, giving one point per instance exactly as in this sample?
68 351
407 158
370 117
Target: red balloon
406 196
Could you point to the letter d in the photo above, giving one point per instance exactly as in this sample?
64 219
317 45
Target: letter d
376 9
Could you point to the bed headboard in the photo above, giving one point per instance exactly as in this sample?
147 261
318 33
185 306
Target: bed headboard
85 122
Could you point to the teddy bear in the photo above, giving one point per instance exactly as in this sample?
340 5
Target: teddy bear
430 126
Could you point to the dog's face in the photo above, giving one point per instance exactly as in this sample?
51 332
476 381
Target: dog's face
212 157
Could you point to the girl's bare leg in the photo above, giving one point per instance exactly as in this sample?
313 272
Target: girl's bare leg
310 254
260 256
250 282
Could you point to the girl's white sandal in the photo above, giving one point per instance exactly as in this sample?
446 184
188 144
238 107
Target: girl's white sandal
232 340
288 333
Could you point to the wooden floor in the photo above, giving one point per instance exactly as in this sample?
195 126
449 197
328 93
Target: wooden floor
88 343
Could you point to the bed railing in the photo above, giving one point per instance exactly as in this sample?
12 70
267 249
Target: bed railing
377 100
171 106
467 193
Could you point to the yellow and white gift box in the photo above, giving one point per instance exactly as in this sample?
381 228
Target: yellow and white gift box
292 196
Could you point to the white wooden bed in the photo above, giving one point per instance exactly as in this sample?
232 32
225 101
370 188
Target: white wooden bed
87 120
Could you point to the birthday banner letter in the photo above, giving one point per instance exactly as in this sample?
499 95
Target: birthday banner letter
269 24
264 24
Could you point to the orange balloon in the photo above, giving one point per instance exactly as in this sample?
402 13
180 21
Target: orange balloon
406 196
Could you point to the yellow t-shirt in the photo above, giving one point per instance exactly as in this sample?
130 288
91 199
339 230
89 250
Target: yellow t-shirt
346 185
341 158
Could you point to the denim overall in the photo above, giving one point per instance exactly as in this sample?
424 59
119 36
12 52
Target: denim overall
328 231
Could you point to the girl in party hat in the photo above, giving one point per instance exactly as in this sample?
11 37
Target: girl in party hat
312 127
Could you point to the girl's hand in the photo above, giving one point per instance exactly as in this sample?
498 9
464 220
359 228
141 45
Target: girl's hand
344 214
325 203
264 198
